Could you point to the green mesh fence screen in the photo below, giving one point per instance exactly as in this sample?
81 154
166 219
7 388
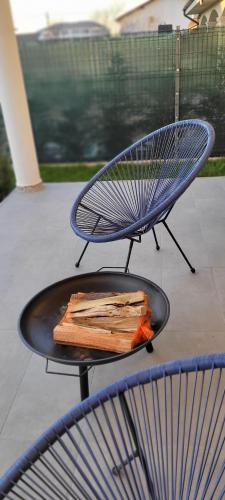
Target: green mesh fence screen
7 181
90 98
3 137
202 90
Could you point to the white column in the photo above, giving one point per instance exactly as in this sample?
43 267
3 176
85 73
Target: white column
14 105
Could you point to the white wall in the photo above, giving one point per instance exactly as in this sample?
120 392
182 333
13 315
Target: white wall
220 9
157 12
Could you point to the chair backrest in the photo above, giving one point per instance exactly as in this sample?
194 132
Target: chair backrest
130 193
166 423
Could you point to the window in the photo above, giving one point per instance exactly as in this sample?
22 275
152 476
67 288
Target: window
213 18
203 22
222 20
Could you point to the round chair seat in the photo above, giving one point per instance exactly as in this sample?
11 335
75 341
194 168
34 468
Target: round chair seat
132 192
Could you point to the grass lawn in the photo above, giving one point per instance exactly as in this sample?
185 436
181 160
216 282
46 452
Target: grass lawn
214 167
80 172
75 172
68 172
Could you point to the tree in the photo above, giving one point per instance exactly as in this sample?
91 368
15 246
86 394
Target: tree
107 15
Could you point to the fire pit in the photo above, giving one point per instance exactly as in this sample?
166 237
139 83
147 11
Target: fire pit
44 310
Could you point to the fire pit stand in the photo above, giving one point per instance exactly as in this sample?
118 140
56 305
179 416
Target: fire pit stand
44 310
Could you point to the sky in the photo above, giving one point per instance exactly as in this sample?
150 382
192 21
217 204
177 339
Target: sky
31 15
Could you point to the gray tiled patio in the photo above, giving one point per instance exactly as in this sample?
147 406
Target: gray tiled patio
38 247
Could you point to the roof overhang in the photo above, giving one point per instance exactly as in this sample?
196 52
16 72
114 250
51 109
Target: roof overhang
197 7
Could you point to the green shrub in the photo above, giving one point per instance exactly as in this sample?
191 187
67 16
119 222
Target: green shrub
7 180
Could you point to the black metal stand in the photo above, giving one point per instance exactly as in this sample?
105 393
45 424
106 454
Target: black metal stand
84 385
87 243
82 253
178 246
129 255
155 238
138 449
163 221
83 376
149 347
133 239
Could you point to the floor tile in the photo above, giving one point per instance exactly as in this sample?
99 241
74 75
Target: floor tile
40 400
193 300
14 359
10 450
219 277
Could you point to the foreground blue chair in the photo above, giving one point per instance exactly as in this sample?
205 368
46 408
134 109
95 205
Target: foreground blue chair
158 434
139 187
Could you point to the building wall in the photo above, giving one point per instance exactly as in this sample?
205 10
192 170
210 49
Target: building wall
215 16
157 12
67 30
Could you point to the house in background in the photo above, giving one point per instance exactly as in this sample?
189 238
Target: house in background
208 13
81 29
152 14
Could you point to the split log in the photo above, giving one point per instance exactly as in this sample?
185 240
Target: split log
115 342
110 321
121 299
109 311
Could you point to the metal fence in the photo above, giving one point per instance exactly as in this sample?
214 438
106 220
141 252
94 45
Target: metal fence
90 98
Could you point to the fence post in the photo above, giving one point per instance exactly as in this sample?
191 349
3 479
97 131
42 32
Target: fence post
177 75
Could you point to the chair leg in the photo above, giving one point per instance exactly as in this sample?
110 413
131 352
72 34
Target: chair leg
82 253
149 347
155 237
178 246
138 452
86 245
128 256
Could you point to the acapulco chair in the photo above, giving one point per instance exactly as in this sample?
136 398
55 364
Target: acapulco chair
158 434
139 187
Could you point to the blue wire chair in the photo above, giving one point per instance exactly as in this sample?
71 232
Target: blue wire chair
139 187
157 434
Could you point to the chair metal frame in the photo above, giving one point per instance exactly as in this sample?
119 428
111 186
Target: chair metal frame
160 213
